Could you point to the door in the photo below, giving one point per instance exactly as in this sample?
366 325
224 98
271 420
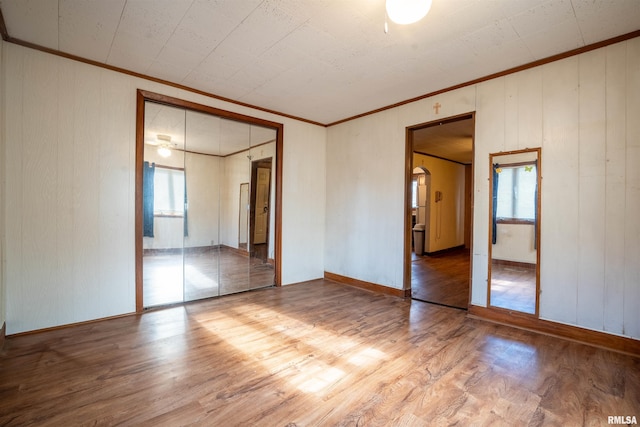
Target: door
262 206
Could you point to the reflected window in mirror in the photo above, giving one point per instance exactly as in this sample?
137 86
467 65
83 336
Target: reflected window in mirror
514 232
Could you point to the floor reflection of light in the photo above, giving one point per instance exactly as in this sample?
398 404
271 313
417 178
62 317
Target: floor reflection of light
166 284
317 379
197 279
512 355
298 367
366 357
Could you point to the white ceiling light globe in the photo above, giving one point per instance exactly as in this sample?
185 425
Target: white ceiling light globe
407 11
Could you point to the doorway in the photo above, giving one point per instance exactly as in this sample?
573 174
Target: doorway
260 210
439 201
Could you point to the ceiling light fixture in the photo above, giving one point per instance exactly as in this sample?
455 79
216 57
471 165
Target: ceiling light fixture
407 11
164 149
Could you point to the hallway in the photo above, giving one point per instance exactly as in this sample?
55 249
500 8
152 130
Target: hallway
442 278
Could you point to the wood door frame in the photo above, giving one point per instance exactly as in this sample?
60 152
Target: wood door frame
141 97
408 177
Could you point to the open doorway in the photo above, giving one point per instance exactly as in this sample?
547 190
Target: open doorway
259 218
440 191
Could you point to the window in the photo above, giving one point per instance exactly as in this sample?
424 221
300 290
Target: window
169 192
516 193
414 193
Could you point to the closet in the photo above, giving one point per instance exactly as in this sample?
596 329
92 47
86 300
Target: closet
207 191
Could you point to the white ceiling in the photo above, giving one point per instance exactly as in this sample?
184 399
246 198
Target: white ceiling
321 60
451 140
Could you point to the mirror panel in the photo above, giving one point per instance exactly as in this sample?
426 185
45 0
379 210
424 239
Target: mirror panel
514 231
203 165
163 204
234 259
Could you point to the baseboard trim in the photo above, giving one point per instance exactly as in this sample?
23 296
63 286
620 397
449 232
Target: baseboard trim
71 325
612 342
374 287
3 332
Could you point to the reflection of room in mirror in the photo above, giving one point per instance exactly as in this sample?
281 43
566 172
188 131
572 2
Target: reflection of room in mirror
199 247
514 230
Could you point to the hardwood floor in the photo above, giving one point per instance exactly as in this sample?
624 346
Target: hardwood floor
442 278
171 278
313 354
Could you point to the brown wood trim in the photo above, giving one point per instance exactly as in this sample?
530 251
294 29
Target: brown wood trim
402 293
55 52
408 208
3 332
574 333
3 28
278 223
138 202
513 70
71 325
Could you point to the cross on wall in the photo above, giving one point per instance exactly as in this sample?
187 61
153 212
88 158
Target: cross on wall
436 107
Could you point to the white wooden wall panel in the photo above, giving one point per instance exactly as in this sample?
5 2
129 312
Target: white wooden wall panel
489 138
511 112
615 192
559 229
64 192
39 175
632 214
304 202
116 203
86 197
12 89
591 206
530 108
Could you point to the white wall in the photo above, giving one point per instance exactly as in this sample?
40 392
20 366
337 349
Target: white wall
70 186
515 242
583 112
446 219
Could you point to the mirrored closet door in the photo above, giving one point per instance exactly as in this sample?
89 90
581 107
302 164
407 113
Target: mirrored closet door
208 205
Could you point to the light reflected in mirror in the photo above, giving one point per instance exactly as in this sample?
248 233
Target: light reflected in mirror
514 240
202 245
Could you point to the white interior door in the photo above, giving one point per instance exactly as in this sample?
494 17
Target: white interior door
262 205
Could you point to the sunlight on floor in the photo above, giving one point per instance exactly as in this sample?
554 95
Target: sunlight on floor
260 337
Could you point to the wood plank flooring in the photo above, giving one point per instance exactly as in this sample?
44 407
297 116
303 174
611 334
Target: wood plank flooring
172 277
442 278
313 354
